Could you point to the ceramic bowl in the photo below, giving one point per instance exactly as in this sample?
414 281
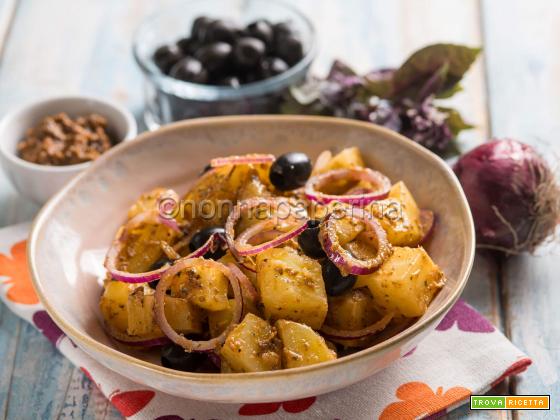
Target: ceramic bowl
40 182
72 233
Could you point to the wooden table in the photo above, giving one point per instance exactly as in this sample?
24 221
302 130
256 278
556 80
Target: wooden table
78 46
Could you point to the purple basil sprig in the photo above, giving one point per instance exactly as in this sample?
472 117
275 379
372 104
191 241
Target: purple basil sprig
405 99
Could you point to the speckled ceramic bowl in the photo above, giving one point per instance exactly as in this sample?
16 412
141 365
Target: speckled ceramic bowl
74 229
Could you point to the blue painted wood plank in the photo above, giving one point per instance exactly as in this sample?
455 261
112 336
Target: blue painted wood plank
40 378
523 68
10 327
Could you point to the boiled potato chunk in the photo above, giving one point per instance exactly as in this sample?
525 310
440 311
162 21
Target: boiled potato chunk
291 287
183 316
399 215
353 310
219 320
218 189
301 345
252 346
143 247
208 289
253 188
149 201
129 309
113 305
405 284
347 158
140 309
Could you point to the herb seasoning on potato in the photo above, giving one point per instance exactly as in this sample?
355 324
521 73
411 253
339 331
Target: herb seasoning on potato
270 263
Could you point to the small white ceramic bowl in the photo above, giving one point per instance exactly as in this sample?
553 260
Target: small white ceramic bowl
73 231
40 182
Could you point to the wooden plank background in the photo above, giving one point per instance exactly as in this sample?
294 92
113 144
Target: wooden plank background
83 46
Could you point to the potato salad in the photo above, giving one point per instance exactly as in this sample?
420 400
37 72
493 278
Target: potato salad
269 262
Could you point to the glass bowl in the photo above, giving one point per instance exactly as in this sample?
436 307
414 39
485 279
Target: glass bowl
168 99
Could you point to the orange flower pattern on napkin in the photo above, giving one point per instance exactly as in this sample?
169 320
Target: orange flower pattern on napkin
15 268
419 400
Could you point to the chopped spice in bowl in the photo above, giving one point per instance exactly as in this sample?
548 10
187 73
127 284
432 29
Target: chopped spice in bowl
45 144
60 140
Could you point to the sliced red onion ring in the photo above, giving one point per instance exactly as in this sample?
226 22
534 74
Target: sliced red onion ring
120 241
165 283
254 158
427 222
211 244
252 268
335 333
247 288
343 258
240 247
243 248
135 341
124 276
380 182
358 191
170 223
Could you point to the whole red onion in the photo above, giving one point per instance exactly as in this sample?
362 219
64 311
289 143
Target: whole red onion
512 193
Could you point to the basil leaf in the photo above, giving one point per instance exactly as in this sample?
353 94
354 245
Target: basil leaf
421 66
380 83
446 94
455 121
434 83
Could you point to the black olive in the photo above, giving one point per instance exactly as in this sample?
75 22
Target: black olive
214 57
190 70
290 49
166 56
222 31
308 240
158 264
282 30
335 283
272 66
175 357
202 236
248 51
200 27
188 45
290 171
261 29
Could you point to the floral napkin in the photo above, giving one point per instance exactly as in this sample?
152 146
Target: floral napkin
465 355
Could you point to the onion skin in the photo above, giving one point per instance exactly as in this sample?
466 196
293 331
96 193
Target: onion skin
135 341
512 193
119 242
253 158
341 257
374 328
249 204
359 197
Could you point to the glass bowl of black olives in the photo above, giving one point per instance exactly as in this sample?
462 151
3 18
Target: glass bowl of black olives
221 57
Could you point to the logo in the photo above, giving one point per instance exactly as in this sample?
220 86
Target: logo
513 402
